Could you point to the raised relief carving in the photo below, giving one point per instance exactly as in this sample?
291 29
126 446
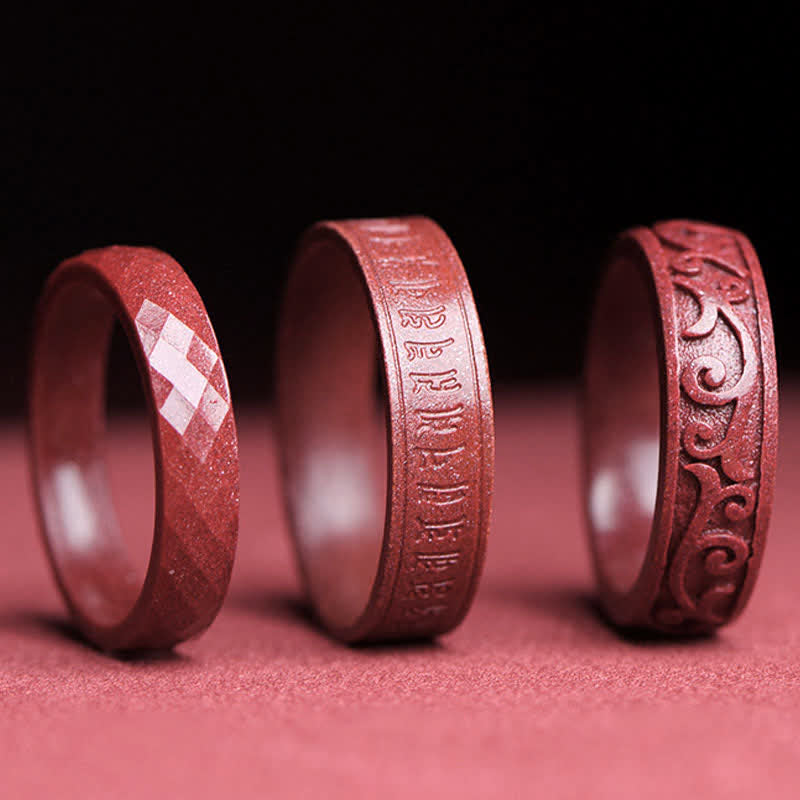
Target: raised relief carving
437 457
440 531
441 421
703 378
385 227
435 381
411 289
422 612
427 350
446 495
386 233
417 318
428 591
707 566
436 562
720 553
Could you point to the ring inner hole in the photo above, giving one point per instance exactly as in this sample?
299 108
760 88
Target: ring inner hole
129 453
335 431
623 408
75 491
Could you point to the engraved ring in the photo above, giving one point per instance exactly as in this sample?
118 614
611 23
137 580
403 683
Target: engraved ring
679 427
389 507
194 440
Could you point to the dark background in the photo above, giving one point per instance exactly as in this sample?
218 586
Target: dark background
531 133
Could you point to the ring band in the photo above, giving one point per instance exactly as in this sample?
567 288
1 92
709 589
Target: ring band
680 427
194 439
389 518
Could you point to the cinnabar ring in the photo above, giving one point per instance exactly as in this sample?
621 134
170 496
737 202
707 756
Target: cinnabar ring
680 427
194 439
398 555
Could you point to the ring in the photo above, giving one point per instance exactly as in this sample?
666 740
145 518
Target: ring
679 427
194 440
389 509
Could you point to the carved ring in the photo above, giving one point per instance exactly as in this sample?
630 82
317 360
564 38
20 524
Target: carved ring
680 427
389 508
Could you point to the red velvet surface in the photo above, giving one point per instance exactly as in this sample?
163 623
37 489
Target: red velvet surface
533 696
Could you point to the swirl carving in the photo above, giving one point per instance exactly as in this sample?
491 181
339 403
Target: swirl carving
716 552
708 565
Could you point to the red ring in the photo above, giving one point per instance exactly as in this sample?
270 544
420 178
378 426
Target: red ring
194 439
396 558
680 427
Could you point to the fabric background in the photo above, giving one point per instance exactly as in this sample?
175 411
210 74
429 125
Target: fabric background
534 696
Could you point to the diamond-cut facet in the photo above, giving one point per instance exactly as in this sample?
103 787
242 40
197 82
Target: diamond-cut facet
177 354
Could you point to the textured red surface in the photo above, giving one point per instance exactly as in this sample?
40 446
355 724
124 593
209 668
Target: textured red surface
194 443
533 695
398 281
698 291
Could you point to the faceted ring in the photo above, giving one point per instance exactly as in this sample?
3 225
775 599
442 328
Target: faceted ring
389 507
680 418
194 440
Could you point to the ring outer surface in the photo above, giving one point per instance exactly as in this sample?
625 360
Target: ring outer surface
440 426
719 430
